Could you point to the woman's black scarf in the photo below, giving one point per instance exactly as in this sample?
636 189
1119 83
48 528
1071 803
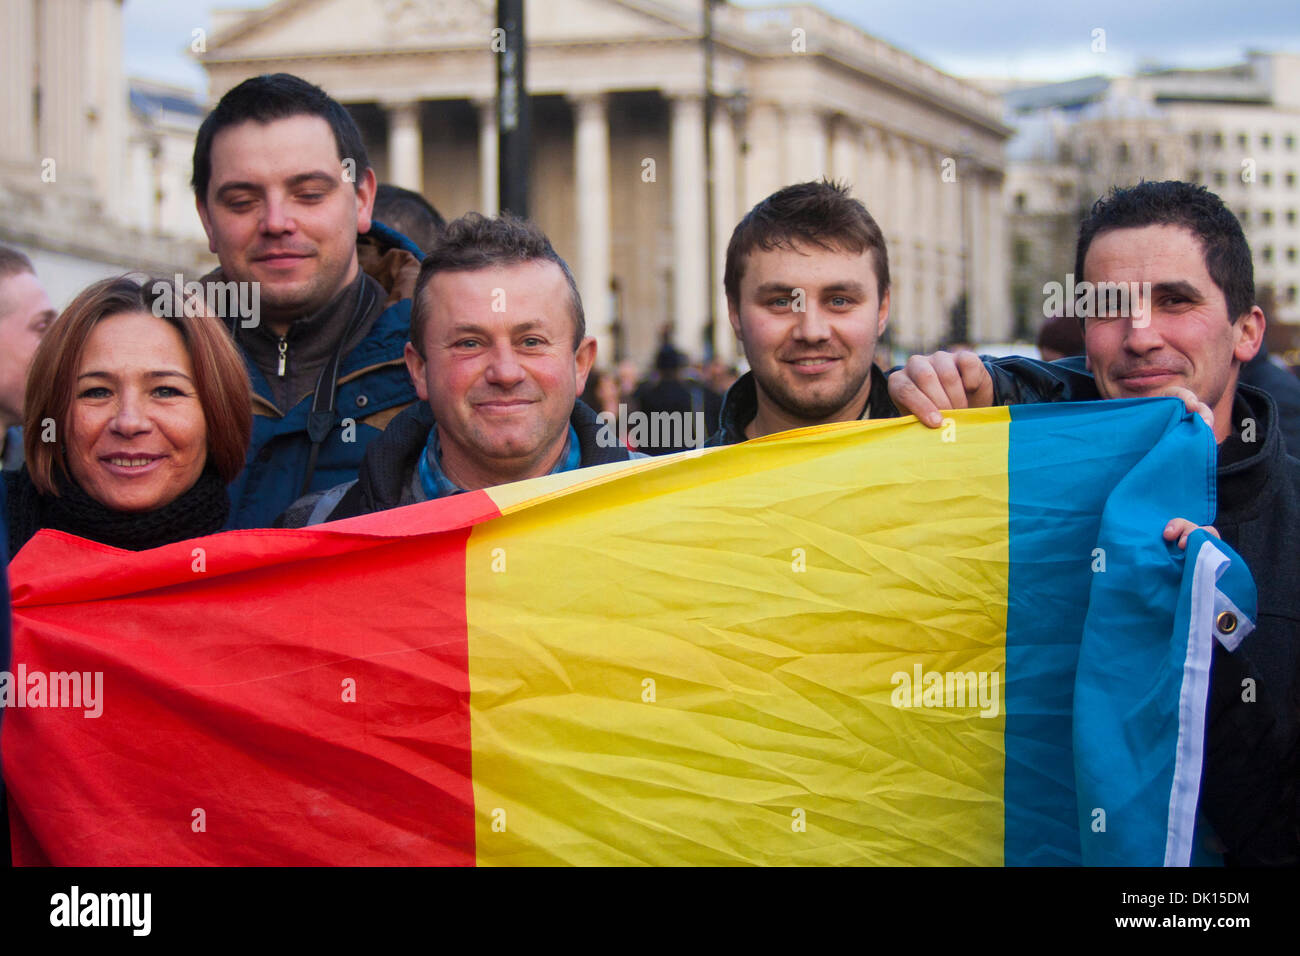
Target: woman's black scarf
200 510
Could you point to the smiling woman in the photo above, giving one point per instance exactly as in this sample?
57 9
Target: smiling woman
137 417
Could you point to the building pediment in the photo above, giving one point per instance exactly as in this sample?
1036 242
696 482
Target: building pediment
312 27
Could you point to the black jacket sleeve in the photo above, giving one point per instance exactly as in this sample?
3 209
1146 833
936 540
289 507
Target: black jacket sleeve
1024 381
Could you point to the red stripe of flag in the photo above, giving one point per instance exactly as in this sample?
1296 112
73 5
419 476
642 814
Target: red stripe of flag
225 736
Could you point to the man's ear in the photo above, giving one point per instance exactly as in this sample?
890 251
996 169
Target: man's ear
733 316
583 360
415 367
1249 333
204 218
882 315
366 187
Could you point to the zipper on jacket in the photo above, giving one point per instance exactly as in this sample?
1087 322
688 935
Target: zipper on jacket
284 355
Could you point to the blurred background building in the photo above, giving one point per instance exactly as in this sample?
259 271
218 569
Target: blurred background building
94 169
618 171
1235 129
978 186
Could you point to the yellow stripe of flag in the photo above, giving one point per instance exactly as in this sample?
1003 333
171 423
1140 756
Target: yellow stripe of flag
696 664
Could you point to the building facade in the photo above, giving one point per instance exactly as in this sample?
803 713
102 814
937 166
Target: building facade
94 170
619 171
1236 130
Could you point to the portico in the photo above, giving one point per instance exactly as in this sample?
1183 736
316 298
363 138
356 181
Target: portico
618 177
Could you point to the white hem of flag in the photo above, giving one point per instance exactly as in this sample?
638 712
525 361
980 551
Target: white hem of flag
1192 702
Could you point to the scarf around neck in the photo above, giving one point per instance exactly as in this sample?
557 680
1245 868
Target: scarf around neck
201 510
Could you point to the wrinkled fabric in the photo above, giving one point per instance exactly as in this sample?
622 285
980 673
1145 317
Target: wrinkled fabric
864 643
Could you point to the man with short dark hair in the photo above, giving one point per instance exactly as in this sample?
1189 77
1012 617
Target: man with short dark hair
410 214
807 283
284 187
498 353
1187 331
1060 337
25 314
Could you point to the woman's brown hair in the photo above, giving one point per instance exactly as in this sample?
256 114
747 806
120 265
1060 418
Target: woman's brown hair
220 378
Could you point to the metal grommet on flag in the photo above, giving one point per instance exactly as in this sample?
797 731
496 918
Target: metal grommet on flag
1226 622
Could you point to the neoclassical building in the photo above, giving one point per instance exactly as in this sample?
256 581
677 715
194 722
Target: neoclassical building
618 172
94 168
1235 130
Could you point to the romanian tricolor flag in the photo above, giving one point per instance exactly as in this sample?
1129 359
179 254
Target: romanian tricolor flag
866 643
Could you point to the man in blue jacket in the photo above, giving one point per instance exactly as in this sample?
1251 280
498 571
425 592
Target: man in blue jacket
285 191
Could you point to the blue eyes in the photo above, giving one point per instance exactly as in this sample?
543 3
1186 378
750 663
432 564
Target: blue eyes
835 302
532 342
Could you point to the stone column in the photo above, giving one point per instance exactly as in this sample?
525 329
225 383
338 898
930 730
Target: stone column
925 179
805 145
875 186
591 181
845 154
947 235
17 70
489 203
977 240
62 56
955 241
405 148
898 187
725 217
108 96
999 321
764 167
690 285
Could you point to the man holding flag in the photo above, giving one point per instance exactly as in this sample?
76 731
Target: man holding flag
1189 339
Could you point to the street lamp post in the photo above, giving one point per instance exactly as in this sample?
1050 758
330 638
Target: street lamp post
710 229
514 116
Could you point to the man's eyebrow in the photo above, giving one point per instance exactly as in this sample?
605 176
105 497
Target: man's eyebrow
526 326
769 287
848 285
465 328
1177 287
316 175
237 186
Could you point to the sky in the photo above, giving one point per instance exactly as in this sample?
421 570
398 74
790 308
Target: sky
1018 39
